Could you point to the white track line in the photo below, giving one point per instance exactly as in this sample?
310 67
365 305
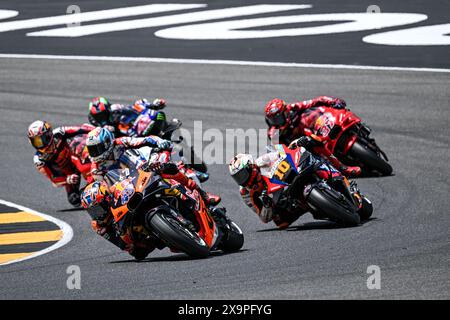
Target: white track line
65 228
221 62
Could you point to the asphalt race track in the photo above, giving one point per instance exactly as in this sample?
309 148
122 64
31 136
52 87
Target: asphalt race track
408 110
408 237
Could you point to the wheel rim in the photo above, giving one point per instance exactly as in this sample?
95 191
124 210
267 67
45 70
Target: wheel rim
194 236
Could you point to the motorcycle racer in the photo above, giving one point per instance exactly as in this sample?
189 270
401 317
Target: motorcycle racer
105 152
290 120
120 118
53 155
96 199
247 172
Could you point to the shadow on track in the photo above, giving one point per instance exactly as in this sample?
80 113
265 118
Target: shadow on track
369 175
316 225
176 257
71 209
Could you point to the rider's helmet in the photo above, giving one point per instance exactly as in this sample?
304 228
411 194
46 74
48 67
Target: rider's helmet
40 134
243 170
99 110
275 111
99 144
95 198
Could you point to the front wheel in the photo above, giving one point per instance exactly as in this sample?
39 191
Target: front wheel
176 235
333 205
369 159
366 210
234 238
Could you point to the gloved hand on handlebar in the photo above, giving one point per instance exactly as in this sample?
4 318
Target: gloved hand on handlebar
266 199
304 142
73 179
165 145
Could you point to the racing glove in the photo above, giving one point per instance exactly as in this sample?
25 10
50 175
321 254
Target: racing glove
266 200
165 145
73 179
304 142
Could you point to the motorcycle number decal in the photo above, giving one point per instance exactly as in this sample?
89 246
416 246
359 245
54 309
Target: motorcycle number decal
282 168
324 124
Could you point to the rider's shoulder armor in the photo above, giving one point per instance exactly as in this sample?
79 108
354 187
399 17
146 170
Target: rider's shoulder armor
59 132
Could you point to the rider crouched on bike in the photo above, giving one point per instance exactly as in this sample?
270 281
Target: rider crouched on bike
247 172
53 155
119 118
286 120
105 152
96 199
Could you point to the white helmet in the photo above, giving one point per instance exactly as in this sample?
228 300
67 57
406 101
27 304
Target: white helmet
100 144
241 168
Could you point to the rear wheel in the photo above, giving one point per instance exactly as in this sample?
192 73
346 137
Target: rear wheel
369 159
176 235
334 206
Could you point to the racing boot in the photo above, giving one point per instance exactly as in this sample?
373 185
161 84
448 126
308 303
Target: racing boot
209 198
350 171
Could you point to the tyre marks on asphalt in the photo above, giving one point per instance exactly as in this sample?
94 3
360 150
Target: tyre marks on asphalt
25 233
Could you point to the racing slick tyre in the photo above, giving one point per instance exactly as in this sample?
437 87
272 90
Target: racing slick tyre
366 210
176 235
234 239
369 159
334 206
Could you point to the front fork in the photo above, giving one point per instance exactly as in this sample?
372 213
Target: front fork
348 189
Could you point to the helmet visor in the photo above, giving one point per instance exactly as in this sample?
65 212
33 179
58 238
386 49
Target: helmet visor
97 212
101 117
242 177
96 150
277 120
41 142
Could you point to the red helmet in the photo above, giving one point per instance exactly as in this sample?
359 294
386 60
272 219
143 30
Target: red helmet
40 134
99 109
95 198
275 113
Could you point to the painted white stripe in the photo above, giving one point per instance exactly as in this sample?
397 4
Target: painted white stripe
65 228
435 35
236 29
94 16
6 14
165 21
221 62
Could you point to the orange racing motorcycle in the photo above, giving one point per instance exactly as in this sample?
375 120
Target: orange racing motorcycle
148 208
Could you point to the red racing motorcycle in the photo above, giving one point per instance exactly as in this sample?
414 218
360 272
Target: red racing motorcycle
343 133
